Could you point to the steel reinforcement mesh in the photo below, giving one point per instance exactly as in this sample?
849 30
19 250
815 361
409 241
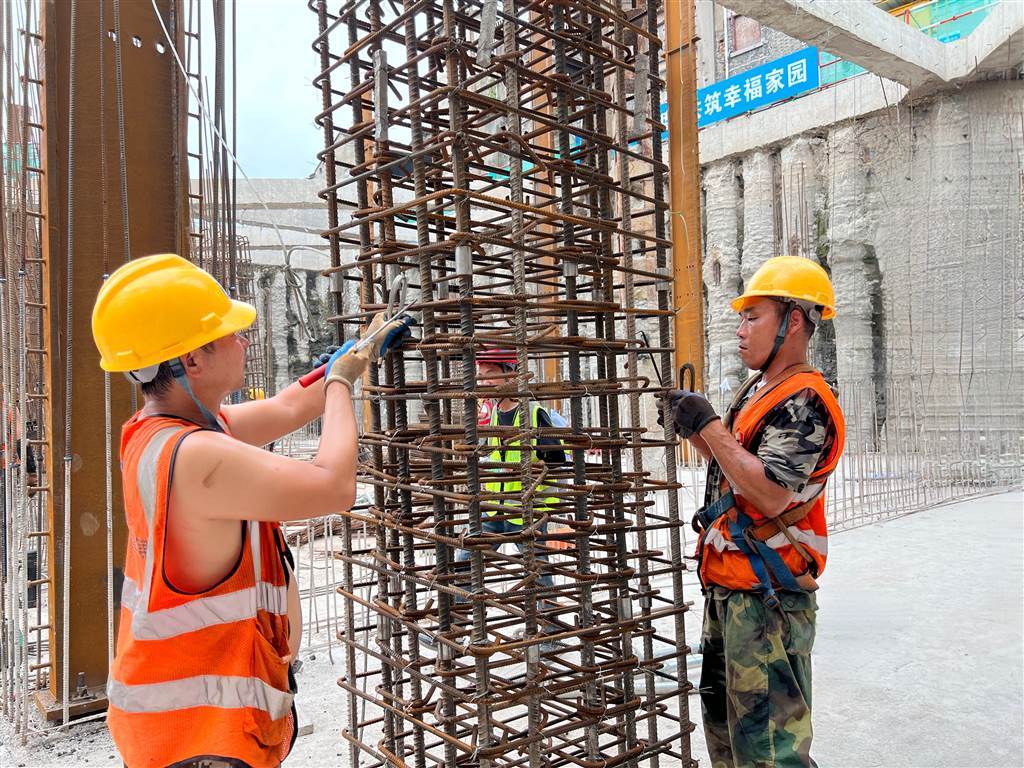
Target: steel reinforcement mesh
505 161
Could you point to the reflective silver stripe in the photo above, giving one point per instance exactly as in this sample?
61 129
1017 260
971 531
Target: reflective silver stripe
145 475
201 612
810 538
714 538
146 484
223 691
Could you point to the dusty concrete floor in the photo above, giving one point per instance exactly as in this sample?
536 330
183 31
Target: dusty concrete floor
919 659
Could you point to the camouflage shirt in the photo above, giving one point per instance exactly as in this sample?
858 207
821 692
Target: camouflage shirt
797 433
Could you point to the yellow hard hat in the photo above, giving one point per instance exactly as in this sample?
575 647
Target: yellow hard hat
791 277
257 393
158 308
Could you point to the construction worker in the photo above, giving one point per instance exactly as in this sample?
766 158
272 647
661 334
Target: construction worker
209 611
763 540
495 367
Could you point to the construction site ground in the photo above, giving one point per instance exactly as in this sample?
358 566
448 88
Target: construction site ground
919 659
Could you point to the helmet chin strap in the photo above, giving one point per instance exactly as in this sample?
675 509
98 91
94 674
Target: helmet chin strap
178 372
780 336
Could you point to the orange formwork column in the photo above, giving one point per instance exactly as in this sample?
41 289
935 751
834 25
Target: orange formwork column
684 177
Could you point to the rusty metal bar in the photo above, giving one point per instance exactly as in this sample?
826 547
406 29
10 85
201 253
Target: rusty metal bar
505 168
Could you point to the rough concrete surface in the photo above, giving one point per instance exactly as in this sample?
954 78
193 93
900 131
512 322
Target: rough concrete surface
917 663
918 215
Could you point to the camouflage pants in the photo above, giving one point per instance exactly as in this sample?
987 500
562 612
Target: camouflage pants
755 684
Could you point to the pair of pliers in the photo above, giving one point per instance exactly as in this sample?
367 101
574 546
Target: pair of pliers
397 308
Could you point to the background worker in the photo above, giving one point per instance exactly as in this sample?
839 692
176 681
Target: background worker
763 539
10 463
495 368
209 612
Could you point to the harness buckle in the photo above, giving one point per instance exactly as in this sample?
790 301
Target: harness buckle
699 522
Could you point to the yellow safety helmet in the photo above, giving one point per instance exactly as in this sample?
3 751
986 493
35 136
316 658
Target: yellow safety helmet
791 277
257 393
157 308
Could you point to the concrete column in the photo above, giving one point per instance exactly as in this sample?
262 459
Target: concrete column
758 212
277 325
802 196
722 281
853 263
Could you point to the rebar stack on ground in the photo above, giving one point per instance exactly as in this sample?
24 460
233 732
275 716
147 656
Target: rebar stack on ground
508 163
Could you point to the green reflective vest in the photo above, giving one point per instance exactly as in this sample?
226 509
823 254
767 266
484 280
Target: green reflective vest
512 456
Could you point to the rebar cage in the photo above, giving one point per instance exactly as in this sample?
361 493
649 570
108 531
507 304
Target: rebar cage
508 163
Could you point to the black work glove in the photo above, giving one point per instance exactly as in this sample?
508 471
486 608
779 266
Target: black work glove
691 410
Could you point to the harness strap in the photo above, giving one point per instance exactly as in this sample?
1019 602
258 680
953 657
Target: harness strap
781 525
765 562
705 516
757 563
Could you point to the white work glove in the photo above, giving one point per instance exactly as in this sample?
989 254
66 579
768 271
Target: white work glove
347 367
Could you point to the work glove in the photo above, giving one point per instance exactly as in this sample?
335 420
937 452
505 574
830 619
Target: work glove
333 352
395 332
691 411
347 367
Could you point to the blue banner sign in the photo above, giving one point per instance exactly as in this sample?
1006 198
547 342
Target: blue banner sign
758 87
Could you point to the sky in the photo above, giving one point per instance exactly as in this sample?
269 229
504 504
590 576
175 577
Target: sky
277 102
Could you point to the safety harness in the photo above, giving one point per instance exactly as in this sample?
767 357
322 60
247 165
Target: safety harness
767 564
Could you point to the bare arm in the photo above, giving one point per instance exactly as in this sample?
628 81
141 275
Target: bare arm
224 478
263 421
702 447
745 471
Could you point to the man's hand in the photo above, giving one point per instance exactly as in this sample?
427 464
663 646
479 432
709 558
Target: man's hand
393 334
347 367
691 410
31 481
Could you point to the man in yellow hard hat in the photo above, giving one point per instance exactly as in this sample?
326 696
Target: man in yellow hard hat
763 540
209 611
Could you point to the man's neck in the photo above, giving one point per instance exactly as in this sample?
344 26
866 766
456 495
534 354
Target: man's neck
177 403
507 405
786 358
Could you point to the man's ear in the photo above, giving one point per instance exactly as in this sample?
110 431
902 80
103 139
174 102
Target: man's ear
192 362
797 322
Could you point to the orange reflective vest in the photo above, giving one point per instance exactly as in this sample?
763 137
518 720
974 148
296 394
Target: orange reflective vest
726 563
195 675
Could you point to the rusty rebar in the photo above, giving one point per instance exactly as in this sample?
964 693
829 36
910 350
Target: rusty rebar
498 160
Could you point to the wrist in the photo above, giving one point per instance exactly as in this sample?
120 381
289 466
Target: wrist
335 378
709 428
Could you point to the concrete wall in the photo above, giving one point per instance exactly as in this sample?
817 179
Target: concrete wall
917 214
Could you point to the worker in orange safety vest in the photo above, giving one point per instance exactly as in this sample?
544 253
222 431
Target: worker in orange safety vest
210 620
763 540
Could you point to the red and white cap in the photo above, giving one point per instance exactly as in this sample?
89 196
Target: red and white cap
498 357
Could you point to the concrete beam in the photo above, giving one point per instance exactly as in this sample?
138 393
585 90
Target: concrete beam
854 31
996 45
854 97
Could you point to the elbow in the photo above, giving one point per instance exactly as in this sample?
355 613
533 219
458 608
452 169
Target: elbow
346 496
348 500
774 502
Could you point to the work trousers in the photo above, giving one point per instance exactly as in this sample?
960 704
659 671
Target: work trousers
755 684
